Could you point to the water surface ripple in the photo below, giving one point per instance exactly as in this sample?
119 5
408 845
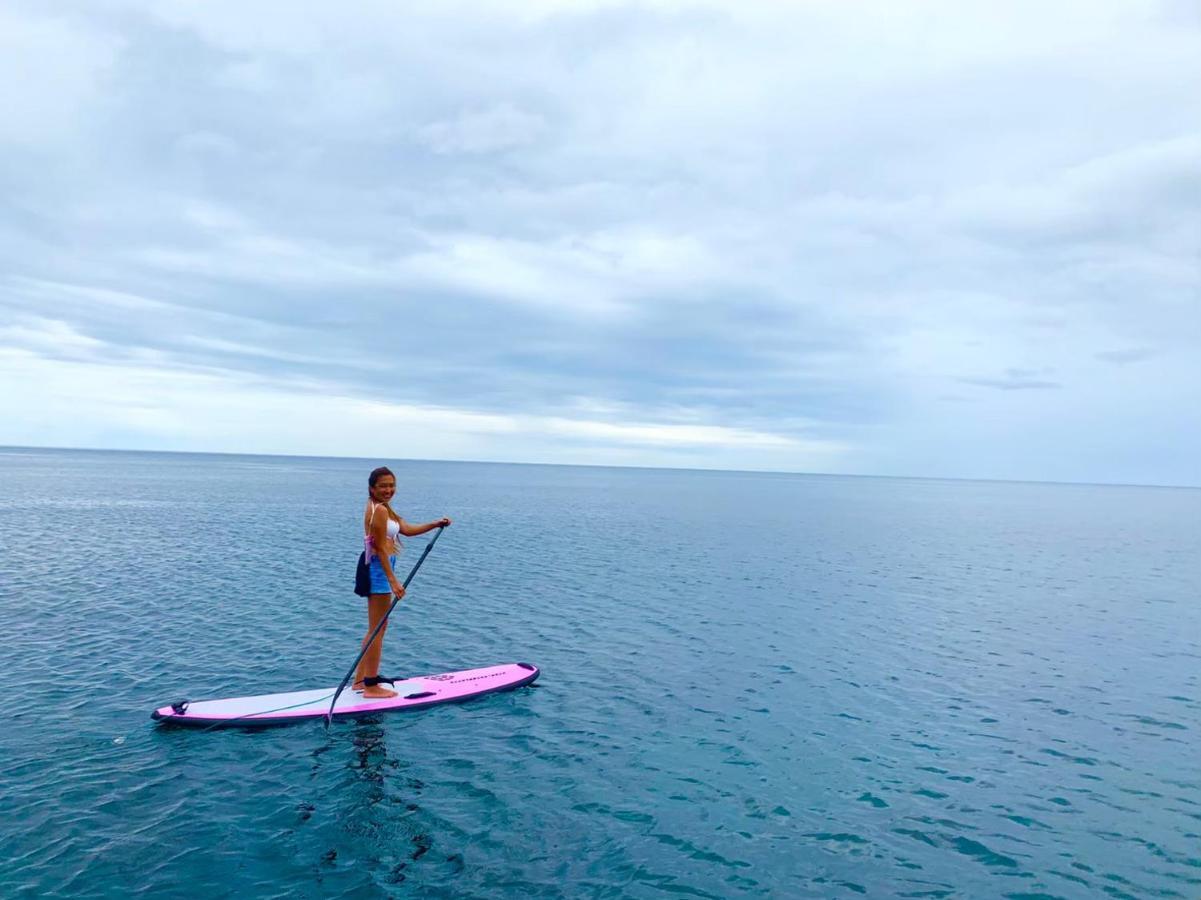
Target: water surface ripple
753 685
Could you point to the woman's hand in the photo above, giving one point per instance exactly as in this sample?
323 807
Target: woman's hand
442 523
398 590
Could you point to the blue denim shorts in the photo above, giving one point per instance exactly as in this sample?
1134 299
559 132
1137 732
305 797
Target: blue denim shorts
379 581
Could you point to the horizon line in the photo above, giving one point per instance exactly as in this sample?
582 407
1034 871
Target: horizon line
493 462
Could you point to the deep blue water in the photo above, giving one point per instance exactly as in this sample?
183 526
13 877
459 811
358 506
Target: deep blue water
753 684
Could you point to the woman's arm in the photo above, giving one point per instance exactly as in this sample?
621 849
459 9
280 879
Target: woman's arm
413 530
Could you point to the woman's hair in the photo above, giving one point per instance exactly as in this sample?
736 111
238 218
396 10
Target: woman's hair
377 474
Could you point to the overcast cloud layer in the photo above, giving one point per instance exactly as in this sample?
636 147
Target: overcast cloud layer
947 239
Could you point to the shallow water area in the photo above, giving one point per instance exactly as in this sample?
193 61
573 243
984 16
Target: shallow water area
752 684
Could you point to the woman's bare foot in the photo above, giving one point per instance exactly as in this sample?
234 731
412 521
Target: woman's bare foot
357 687
375 692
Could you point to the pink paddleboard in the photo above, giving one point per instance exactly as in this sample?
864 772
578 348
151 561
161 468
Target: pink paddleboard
411 693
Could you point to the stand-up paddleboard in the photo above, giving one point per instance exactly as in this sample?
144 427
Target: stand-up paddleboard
297 706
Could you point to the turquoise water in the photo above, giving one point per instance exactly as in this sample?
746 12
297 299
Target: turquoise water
753 684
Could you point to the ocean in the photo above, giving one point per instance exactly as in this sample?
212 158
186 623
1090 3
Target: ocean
761 685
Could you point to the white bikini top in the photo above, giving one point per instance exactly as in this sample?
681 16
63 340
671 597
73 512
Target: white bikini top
393 531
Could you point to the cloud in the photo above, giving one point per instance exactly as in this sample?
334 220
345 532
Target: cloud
501 127
1125 357
1013 383
54 71
36 334
83 402
752 235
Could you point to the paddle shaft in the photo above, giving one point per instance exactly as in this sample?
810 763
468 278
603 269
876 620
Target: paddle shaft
367 644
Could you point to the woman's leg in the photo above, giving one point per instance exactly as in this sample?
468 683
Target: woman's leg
377 608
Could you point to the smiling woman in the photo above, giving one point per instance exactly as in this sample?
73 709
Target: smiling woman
382 529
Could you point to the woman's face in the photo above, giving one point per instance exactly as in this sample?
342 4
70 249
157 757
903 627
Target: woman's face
384 489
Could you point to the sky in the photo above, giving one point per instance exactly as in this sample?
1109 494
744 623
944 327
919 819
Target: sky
890 238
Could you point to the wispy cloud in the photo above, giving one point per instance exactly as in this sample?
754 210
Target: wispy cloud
1125 357
1013 383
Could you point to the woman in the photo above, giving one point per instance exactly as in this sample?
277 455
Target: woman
382 528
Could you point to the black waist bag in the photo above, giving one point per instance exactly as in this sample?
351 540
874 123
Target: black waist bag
362 576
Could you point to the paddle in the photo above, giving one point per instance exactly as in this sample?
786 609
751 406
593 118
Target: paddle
354 665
